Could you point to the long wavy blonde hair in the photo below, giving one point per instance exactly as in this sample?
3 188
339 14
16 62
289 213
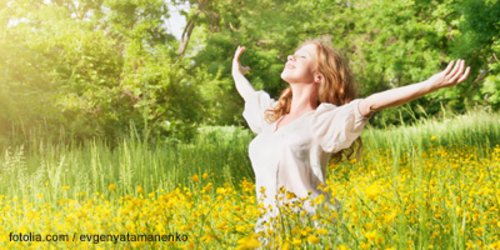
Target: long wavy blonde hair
336 87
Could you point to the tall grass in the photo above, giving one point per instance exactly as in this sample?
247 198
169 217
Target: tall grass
92 167
219 151
480 129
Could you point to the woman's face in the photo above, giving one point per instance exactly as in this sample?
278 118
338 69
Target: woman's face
300 67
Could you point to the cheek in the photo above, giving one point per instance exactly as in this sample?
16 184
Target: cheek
306 73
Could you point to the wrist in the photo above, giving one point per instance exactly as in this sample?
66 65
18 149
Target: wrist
431 85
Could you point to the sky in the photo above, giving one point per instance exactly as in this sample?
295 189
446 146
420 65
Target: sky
176 23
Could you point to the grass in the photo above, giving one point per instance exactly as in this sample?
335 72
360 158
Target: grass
219 150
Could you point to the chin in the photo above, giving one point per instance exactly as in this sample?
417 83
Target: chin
285 77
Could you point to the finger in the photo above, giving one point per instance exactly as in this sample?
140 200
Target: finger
448 68
465 75
458 72
236 51
454 70
239 51
455 73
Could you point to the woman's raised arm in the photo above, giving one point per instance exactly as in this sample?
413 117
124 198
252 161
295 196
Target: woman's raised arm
243 86
452 75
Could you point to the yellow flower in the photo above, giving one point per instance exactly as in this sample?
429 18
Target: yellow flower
247 186
321 231
195 178
240 228
389 218
364 245
313 239
208 237
285 246
250 242
342 247
371 235
372 191
65 187
290 195
112 187
207 188
139 189
221 190
320 199
433 138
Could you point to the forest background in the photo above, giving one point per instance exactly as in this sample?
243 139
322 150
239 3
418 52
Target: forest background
83 69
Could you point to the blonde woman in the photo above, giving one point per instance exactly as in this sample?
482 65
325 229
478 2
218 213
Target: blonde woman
314 119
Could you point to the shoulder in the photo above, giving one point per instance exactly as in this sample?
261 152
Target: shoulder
324 106
350 108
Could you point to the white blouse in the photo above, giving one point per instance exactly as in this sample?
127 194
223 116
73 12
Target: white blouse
296 155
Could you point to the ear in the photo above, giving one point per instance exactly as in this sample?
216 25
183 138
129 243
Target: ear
318 77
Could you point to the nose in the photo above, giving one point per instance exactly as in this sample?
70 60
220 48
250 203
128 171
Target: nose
290 57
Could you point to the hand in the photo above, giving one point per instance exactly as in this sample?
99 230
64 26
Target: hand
452 75
236 61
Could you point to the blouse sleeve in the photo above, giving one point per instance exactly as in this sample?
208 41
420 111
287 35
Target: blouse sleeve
255 107
337 127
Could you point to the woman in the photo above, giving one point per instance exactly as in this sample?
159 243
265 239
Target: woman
315 118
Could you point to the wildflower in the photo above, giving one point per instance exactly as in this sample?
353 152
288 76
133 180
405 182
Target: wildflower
320 199
371 235
221 190
364 245
240 228
285 246
204 176
249 242
247 186
195 178
112 187
372 191
290 195
342 247
321 231
433 138
313 239
139 189
207 187
389 218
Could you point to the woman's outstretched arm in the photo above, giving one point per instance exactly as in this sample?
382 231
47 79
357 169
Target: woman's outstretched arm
243 86
452 75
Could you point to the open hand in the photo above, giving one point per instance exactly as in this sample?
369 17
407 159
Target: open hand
454 73
236 61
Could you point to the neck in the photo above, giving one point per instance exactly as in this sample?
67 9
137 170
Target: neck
304 98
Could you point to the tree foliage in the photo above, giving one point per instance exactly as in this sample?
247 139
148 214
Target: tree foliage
95 67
